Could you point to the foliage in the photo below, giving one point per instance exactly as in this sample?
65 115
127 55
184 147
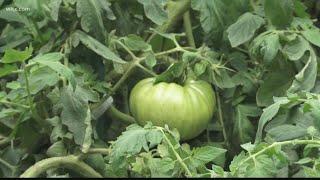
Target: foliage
67 68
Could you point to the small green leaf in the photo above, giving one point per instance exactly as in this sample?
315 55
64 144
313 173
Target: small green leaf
154 10
286 132
271 47
51 60
12 55
136 43
174 71
133 140
296 49
151 60
312 35
161 167
57 149
54 6
97 47
41 78
206 154
306 78
243 30
199 68
267 115
76 116
6 69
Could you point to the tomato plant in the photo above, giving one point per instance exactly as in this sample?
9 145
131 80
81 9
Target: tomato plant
159 88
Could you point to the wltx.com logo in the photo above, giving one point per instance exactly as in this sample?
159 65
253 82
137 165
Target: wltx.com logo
17 9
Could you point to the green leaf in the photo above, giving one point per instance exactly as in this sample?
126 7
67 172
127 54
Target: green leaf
54 6
311 172
200 68
236 162
300 9
6 69
51 60
267 115
97 47
54 57
136 43
133 140
213 17
41 78
275 84
306 78
87 94
243 129
222 79
90 12
280 13
271 47
154 10
312 35
206 154
286 132
160 168
76 116
304 161
174 70
296 49
264 166
315 104
170 36
244 29
57 149
150 60
12 55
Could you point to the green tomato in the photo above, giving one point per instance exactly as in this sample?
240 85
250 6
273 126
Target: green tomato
189 108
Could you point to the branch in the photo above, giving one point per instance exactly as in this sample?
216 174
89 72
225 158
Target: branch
188 28
115 113
70 162
185 167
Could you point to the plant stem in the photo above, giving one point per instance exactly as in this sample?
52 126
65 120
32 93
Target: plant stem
123 77
188 28
127 49
185 167
33 112
69 162
14 104
176 10
146 70
37 30
27 87
104 151
115 113
5 163
220 117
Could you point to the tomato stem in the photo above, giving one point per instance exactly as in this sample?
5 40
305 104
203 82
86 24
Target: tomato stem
69 162
185 167
188 28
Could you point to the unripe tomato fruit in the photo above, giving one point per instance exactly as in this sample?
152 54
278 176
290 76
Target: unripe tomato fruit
188 108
